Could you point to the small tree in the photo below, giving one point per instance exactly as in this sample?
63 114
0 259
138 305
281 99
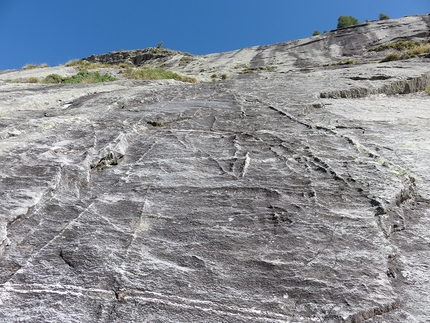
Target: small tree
383 16
316 33
160 43
346 21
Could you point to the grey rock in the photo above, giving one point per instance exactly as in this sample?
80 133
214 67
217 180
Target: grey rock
294 194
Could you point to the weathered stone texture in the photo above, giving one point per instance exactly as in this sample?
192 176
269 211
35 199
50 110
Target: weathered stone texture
297 196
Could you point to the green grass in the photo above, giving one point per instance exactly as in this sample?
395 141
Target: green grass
152 73
83 77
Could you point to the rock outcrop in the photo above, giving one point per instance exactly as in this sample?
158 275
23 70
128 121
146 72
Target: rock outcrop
295 190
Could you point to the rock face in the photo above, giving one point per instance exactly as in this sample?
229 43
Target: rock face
290 194
136 57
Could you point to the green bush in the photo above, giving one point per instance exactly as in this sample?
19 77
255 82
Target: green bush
346 21
428 90
316 33
383 16
53 78
151 73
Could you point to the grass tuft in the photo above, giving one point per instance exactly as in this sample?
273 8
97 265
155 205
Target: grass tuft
398 45
404 49
29 66
83 65
33 80
185 60
152 73
346 62
33 66
250 70
391 57
83 77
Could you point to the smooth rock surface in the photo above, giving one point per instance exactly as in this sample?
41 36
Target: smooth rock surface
295 194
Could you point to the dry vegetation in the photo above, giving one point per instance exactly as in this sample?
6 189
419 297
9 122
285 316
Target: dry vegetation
403 49
33 66
83 77
85 65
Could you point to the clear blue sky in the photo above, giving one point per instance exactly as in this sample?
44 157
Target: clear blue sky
56 31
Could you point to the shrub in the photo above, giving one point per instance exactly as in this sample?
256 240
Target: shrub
151 73
383 16
53 79
224 76
346 21
316 33
43 65
428 90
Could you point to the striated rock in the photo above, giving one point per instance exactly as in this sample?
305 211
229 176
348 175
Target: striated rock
293 194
